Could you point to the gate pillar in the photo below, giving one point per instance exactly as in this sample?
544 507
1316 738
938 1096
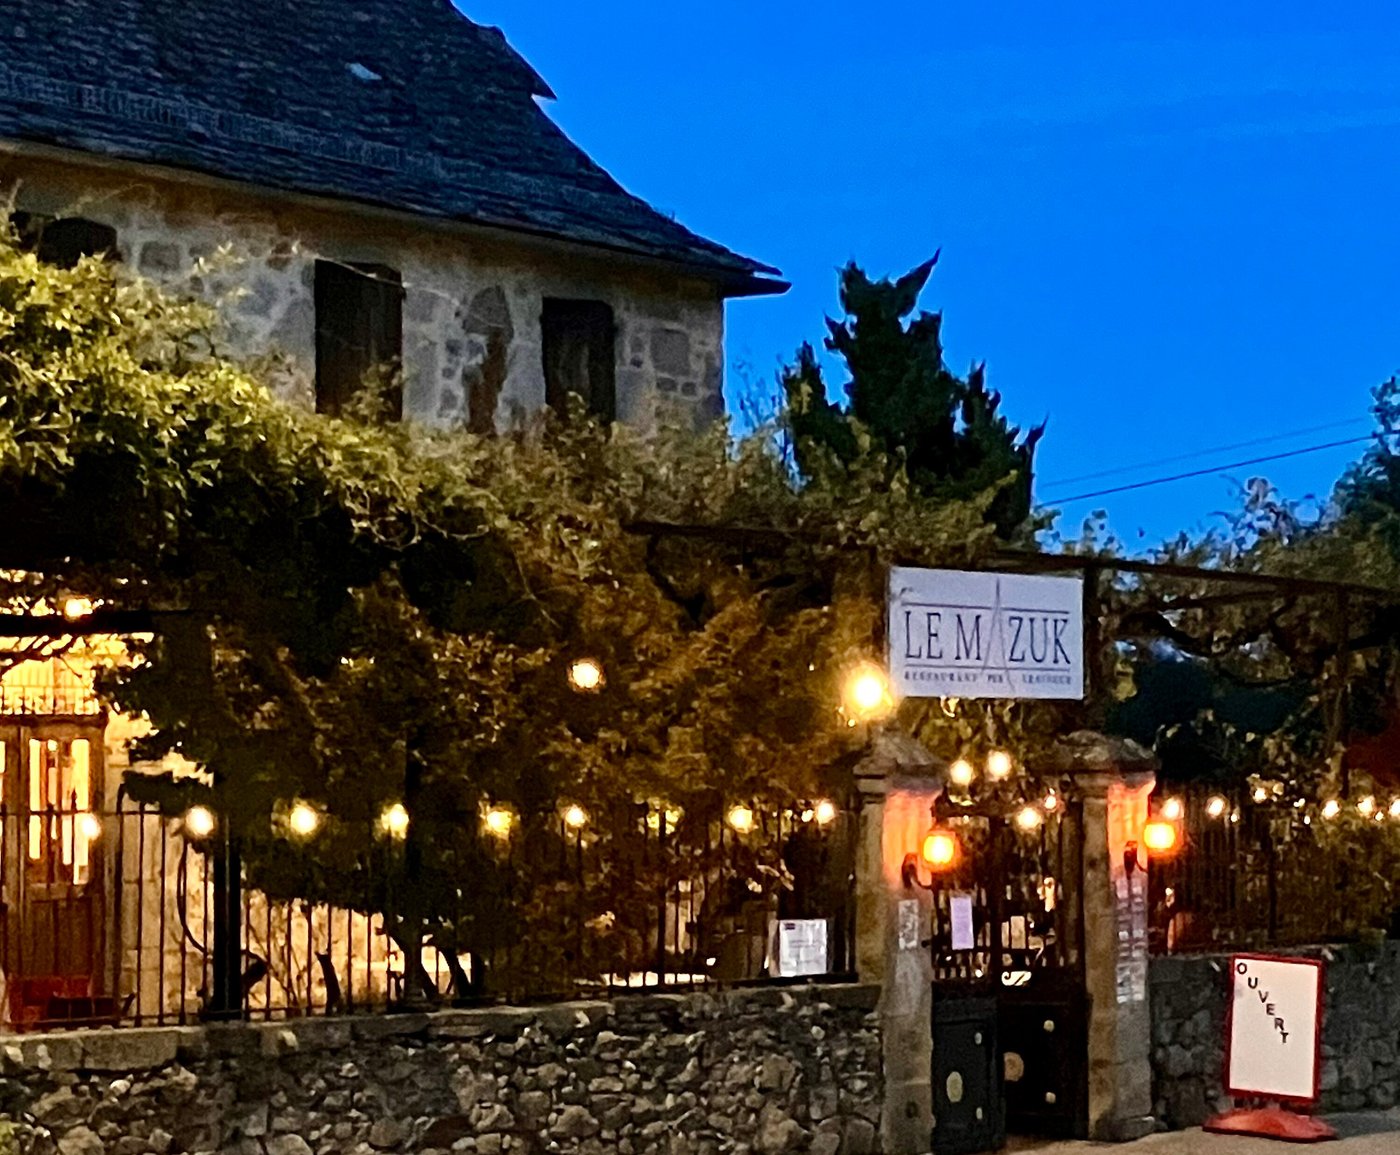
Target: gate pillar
1114 778
899 781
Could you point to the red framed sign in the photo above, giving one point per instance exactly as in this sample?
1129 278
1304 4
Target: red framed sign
1273 1031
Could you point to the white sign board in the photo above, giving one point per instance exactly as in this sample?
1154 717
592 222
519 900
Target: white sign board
955 634
802 947
963 935
1275 1005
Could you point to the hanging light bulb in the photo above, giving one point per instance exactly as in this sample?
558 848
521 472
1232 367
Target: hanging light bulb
1331 808
1366 806
303 820
585 675
1028 818
741 819
867 693
825 812
998 765
199 822
1216 806
1260 794
90 826
575 817
961 773
499 822
1051 802
1172 810
394 820
1395 808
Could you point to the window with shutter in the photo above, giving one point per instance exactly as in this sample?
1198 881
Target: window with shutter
579 341
359 334
66 240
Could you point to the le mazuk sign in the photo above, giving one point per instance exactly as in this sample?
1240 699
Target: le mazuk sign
955 634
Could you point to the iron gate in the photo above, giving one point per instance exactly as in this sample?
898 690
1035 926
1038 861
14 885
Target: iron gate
1010 1043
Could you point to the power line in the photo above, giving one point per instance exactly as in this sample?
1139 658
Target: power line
1214 469
1198 454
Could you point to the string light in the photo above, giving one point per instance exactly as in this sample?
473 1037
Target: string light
1331 808
75 609
741 819
1260 794
961 773
90 827
575 817
867 693
1216 806
825 812
1051 802
303 820
1395 808
1366 806
998 765
1172 810
585 675
1028 818
394 820
199 822
499 822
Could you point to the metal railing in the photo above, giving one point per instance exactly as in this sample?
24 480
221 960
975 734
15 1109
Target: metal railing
1257 870
114 917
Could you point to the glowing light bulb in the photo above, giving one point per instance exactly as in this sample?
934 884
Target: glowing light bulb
868 693
586 675
940 849
1260 794
1172 809
1050 803
1366 806
499 822
90 827
1028 818
1159 837
961 773
75 609
1395 808
199 821
998 765
394 820
303 820
1216 806
575 817
741 819
1331 808
826 812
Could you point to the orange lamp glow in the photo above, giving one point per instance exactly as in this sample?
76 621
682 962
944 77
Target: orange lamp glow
1160 837
941 849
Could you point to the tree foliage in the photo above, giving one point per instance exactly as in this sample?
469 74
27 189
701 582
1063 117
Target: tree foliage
945 433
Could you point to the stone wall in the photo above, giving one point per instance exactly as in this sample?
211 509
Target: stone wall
766 1070
1360 1032
256 255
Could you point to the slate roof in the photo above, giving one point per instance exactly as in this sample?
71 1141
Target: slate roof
400 103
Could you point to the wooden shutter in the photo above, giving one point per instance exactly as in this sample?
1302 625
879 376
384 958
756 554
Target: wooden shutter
359 331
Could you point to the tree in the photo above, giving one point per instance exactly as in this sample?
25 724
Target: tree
945 433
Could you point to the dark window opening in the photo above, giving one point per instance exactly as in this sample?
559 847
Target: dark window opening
66 240
359 335
579 340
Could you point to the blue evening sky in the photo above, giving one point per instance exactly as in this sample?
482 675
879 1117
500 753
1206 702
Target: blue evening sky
1167 228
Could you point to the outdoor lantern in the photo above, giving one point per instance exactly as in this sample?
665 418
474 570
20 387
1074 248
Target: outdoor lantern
586 675
867 693
199 822
1160 837
575 817
941 849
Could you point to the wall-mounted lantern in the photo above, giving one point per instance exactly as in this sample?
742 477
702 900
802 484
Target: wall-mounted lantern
940 852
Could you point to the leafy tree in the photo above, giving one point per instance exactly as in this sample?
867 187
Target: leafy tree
945 433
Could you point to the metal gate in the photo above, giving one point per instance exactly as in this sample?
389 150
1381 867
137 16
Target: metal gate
1010 1043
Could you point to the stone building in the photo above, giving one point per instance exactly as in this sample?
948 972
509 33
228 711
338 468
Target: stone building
366 184
372 191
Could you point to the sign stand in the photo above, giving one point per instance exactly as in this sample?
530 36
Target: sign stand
1273 1048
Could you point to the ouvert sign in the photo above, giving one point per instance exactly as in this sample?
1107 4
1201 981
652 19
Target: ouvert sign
958 634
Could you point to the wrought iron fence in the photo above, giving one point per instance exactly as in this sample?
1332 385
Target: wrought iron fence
1255 869
114 917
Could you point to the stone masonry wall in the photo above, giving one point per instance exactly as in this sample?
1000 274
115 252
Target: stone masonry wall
256 256
761 1071
1360 1032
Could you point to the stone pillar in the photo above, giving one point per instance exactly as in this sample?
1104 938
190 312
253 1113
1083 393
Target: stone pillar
1114 778
898 782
